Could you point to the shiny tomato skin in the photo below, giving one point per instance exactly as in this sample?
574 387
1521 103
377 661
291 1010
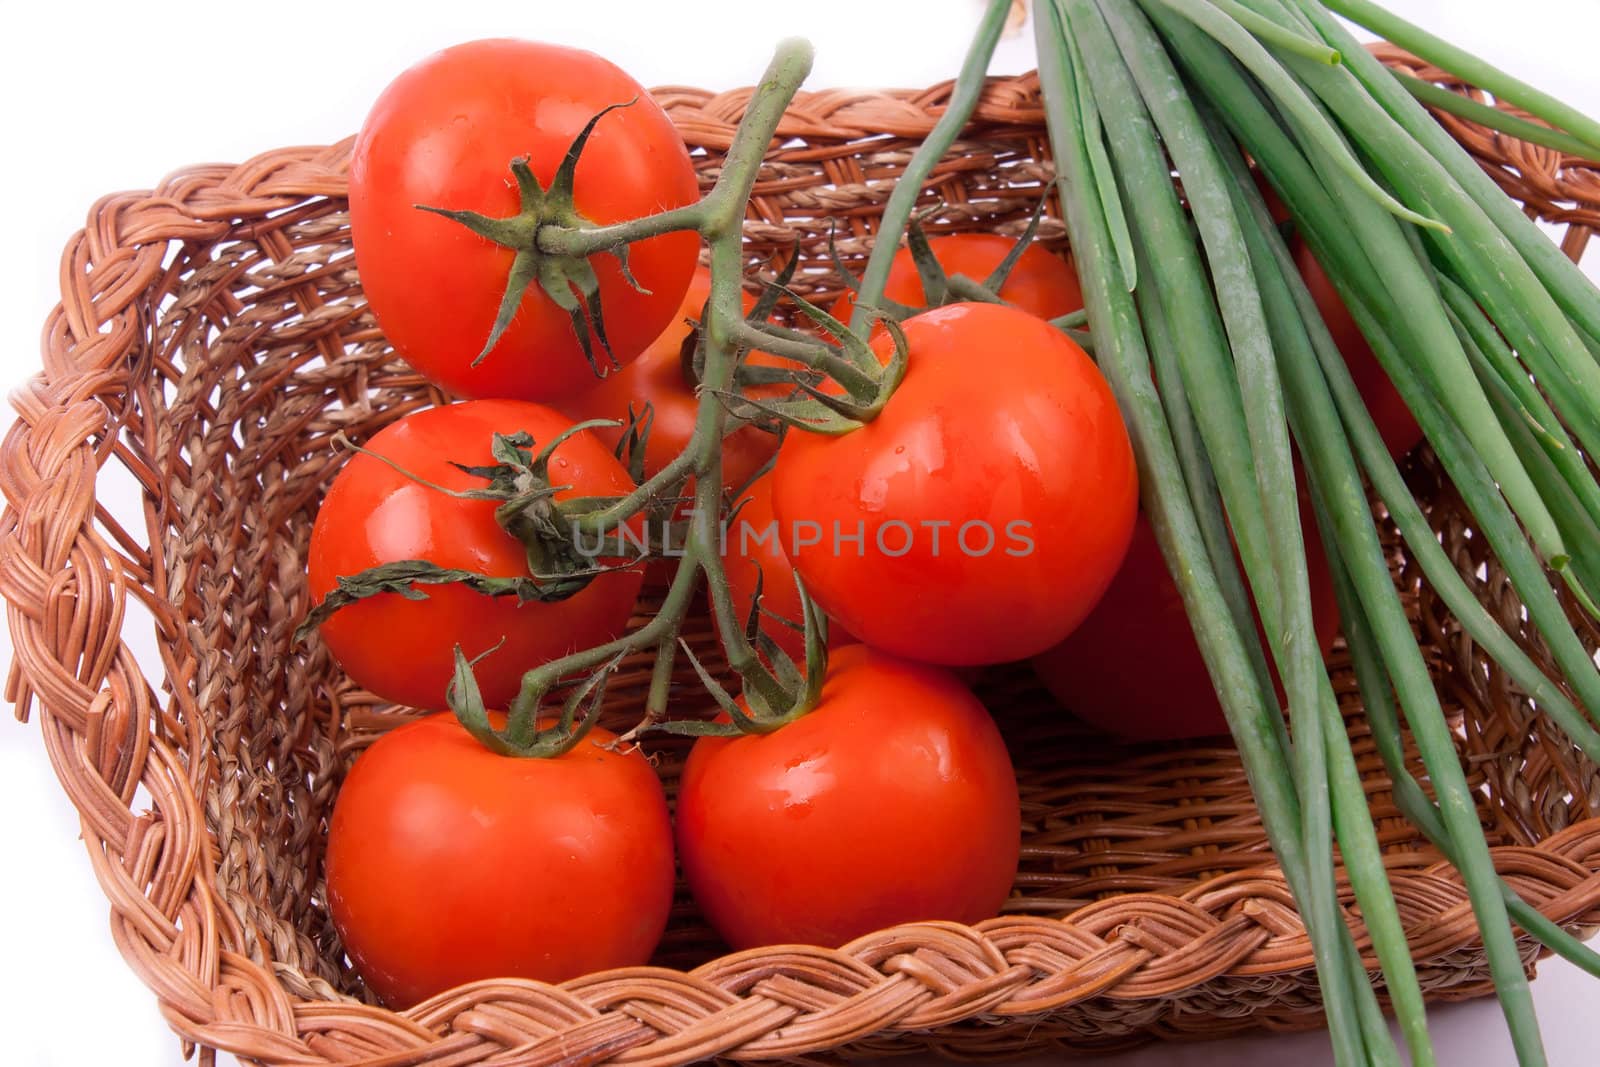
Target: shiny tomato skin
402 649
656 378
1041 283
892 801
1002 428
754 553
1396 425
443 134
448 863
1134 669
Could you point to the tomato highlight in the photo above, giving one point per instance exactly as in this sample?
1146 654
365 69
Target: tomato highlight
443 135
931 531
449 864
892 801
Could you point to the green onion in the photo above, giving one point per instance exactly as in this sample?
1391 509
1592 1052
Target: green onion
1331 464
1566 283
1311 122
1336 480
1494 118
1378 701
1179 297
1470 69
1415 305
1247 114
1196 465
1491 338
1258 480
1123 358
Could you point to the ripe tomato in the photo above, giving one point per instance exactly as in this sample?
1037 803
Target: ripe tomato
403 649
656 378
443 134
994 496
755 553
1041 283
892 801
449 864
1133 667
1396 425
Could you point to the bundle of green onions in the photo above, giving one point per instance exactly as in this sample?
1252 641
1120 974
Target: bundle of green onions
1220 360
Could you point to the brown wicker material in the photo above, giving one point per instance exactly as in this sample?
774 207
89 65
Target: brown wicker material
211 340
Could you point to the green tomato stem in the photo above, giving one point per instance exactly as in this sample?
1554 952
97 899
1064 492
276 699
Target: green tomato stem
897 212
813 353
590 240
602 521
717 217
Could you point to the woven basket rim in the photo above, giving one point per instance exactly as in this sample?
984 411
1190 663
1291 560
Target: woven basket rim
1237 925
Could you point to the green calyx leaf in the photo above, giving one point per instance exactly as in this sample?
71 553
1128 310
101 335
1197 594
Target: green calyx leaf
938 286
523 737
463 696
853 283
935 283
635 439
404 576
777 689
806 414
519 483
529 512
814 411
569 281
998 277
866 382
692 352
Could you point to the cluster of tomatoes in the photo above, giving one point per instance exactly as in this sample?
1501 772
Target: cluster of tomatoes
1000 469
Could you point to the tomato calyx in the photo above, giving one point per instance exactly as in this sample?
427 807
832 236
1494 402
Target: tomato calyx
523 737
939 287
562 278
756 322
864 384
773 696
519 481
529 512
634 440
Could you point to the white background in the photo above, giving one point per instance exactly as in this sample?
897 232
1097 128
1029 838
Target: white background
103 97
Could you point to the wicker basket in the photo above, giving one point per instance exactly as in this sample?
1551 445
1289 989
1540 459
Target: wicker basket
212 338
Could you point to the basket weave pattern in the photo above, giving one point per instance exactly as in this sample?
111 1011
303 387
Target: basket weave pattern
211 341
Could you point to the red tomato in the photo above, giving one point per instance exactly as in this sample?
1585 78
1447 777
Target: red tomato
1041 283
1133 667
892 801
995 494
755 553
656 378
449 864
402 649
444 134
1396 424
